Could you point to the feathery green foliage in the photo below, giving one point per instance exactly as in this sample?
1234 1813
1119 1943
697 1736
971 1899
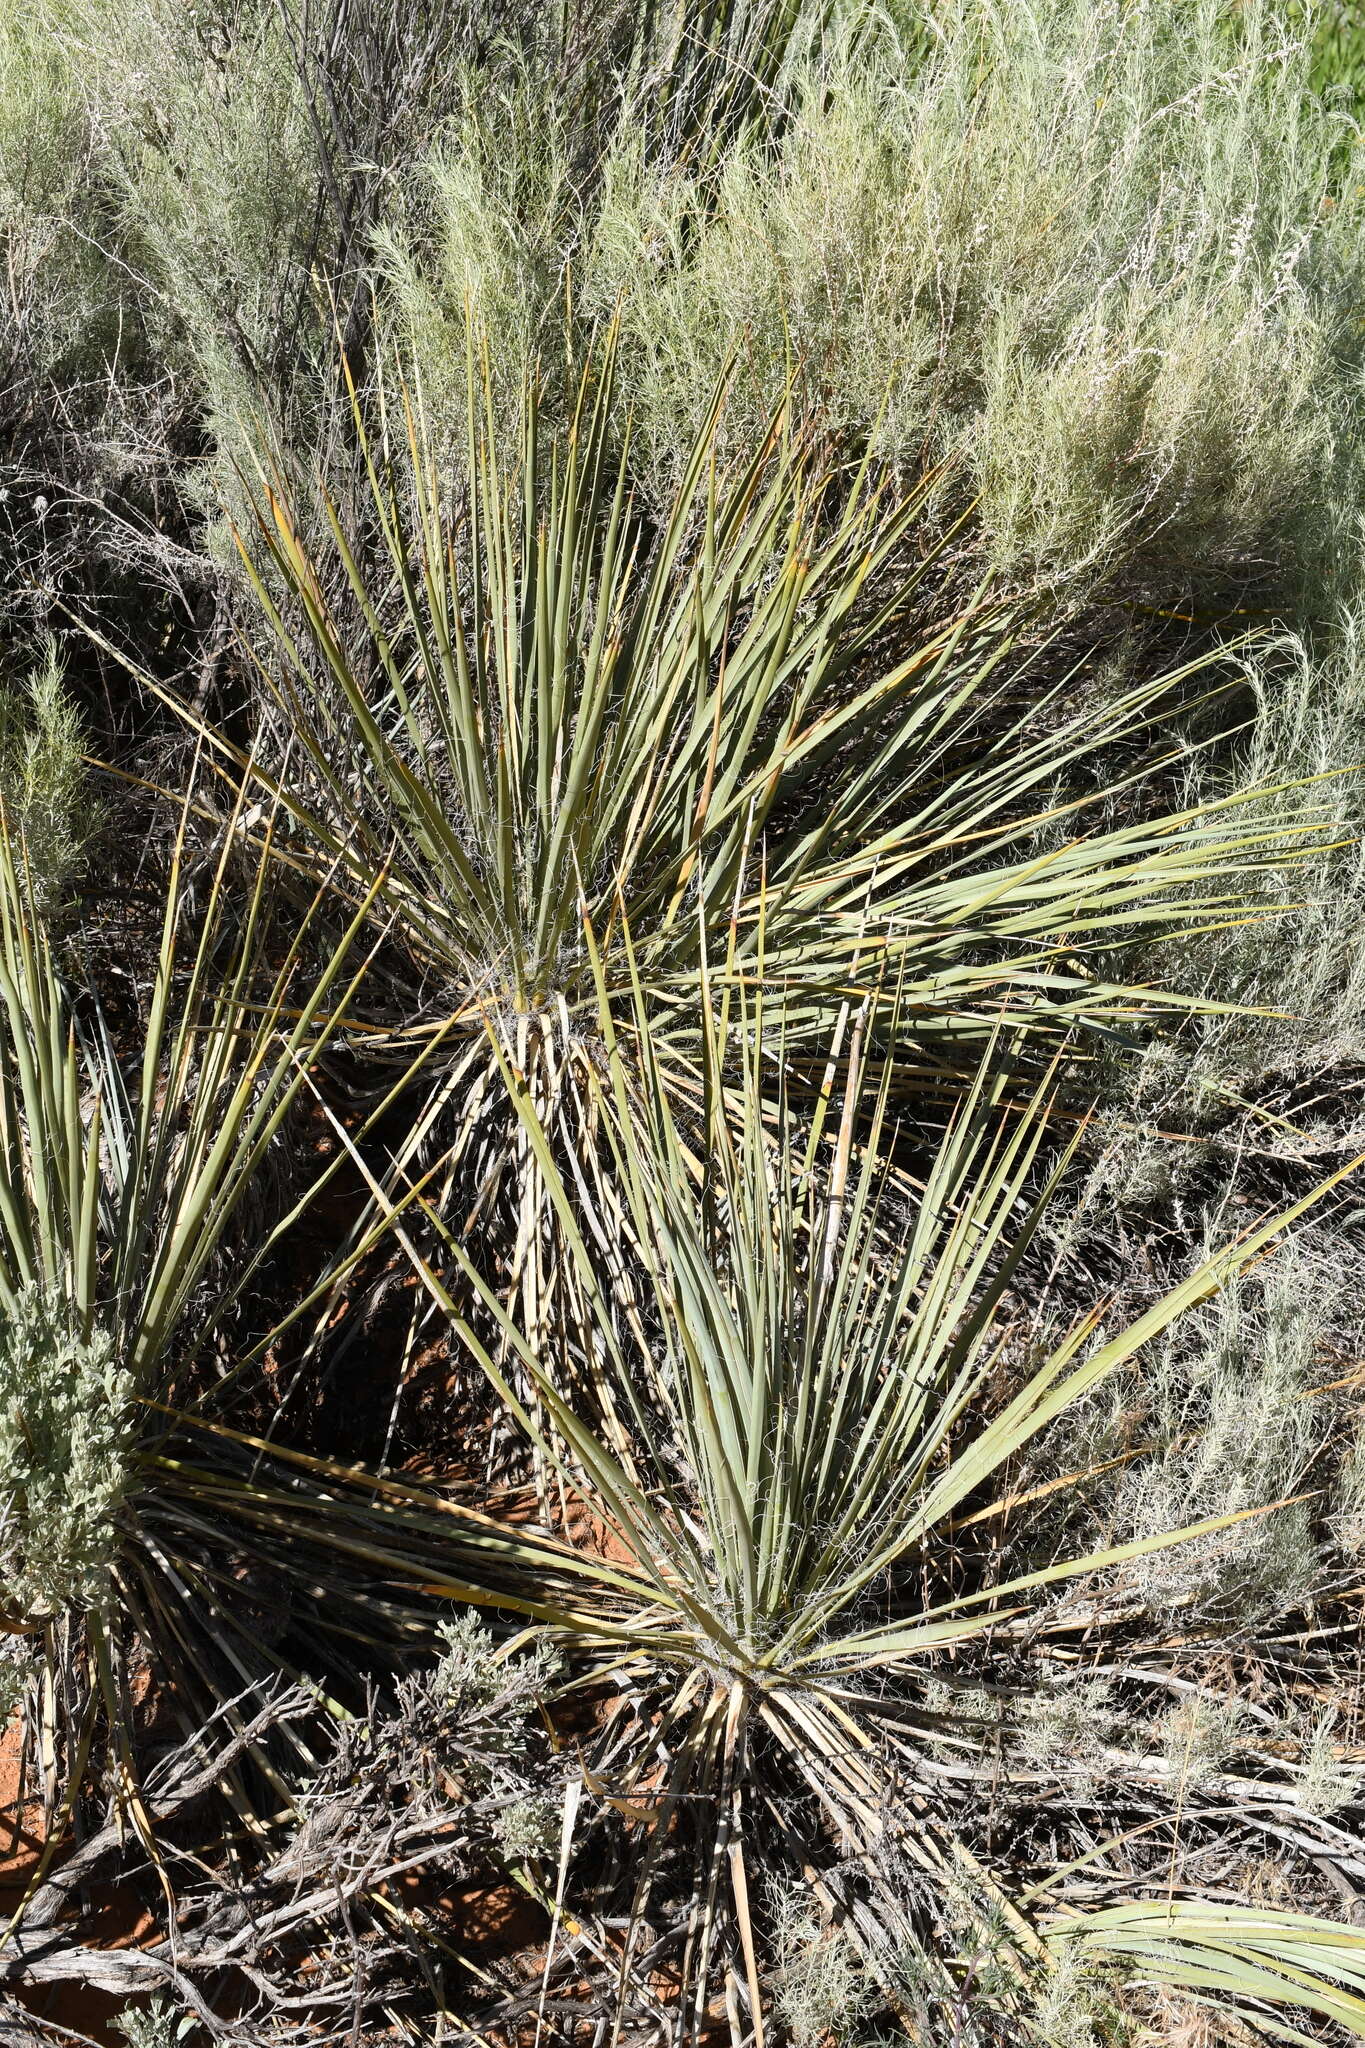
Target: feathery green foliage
1100 259
61 305
66 1430
49 806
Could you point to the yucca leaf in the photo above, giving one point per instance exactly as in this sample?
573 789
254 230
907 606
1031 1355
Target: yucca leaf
1243 1960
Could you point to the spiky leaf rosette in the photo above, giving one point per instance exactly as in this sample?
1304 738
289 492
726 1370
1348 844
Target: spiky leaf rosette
149 1186
557 738
808 1465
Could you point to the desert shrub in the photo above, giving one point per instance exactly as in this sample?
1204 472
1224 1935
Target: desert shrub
238 161
475 1686
158 2025
790 263
1229 1403
1307 723
1082 253
1091 257
70 337
157 177
465 1729
820 1986
66 1427
1067 1723
1088 257
63 301
15 1671
502 209
1077 2008
1324 1786
1349 1499
1199 1737
1265 1066
44 784
201 136
297 1933
1338 52
497 199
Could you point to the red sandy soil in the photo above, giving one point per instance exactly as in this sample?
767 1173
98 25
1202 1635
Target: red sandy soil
113 1918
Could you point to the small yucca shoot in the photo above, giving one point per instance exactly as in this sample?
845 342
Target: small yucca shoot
126 1157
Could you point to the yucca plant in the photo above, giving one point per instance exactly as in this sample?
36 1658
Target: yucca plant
552 740
834 1660
125 1164
152 1173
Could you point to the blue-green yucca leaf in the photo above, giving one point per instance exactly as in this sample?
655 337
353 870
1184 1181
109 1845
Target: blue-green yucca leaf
1233 1958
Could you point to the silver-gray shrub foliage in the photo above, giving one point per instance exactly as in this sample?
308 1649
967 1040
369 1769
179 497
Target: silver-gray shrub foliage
1230 1402
1100 257
66 1410
158 2025
1090 253
1223 1418
44 785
